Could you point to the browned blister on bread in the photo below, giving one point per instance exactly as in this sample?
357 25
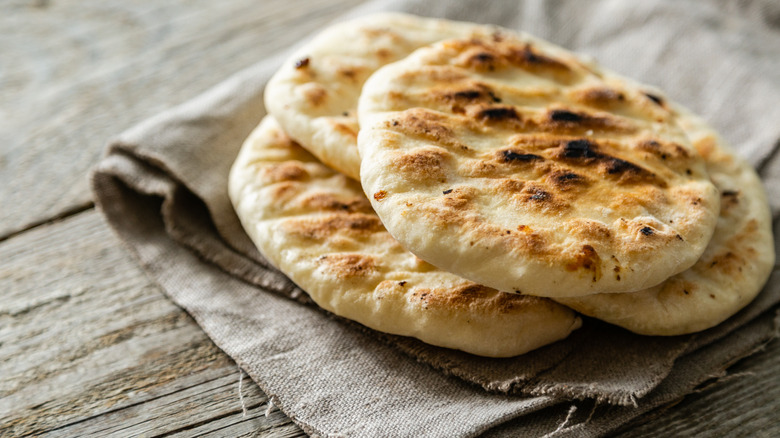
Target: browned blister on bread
318 228
517 165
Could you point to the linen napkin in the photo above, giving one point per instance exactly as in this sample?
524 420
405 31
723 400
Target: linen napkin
162 187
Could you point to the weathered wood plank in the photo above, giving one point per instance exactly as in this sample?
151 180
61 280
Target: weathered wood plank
745 402
76 73
88 345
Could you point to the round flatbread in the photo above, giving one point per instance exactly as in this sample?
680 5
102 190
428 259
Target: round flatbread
317 227
514 164
314 94
730 273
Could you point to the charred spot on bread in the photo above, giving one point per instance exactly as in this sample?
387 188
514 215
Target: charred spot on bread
587 153
510 156
498 114
302 63
559 115
580 149
657 100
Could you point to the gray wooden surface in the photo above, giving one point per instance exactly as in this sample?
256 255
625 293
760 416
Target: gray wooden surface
88 345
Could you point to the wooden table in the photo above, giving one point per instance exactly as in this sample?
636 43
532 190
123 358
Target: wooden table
88 344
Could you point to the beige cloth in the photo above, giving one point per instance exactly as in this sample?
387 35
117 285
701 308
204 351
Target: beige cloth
162 187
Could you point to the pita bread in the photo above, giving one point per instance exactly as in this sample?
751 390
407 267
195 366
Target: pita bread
314 94
513 163
317 227
730 273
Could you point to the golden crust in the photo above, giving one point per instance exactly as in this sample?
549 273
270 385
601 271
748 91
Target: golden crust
595 165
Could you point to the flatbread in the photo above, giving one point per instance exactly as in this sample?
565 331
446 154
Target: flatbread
515 164
730 273
317 227
314 94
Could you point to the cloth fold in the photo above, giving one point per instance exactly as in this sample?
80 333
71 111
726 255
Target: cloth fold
162 187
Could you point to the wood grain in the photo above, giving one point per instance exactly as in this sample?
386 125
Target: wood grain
89 346
743 403
77 72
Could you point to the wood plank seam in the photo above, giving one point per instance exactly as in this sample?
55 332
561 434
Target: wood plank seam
72 211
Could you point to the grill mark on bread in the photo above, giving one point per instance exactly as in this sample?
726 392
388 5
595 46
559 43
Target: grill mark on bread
599 96
587 153
560 115
285 171
489 56
284 191
474 93
483 61
566 180
428 125
664 151
325 226
566 120
347 266
329 202
515 156
527 57
498 114
656 99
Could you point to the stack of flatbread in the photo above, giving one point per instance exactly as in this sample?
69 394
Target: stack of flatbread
478 189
